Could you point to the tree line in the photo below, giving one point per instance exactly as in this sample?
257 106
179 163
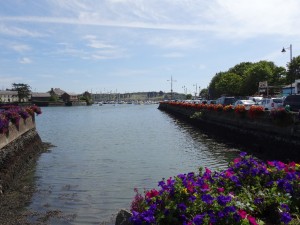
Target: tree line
243 78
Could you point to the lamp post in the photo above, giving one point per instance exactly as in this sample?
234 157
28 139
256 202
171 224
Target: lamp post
171 81
196 90
291 57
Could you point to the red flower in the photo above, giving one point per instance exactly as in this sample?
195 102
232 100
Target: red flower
152 193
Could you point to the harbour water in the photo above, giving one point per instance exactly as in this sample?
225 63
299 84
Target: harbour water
102 153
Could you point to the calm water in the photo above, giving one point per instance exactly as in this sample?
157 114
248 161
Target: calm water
103 152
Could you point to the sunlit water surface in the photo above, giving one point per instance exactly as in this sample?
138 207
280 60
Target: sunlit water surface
102 153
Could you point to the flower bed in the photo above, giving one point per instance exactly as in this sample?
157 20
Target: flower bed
249 192
280 117
13 114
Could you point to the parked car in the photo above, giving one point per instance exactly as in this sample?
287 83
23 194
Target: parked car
211 102
256 99
246 103
293 101
225 100
271 103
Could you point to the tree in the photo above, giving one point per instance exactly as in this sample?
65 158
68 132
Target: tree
260 71
189 96
22 89
229 84
204 93
293 72
240 68
87 97
212 89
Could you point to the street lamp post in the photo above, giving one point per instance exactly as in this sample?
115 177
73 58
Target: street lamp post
291 57
196 90
171 81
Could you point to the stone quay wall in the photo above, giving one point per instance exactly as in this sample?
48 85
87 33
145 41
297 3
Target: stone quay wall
18 148
262 135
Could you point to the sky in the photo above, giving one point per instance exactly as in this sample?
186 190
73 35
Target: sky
121 46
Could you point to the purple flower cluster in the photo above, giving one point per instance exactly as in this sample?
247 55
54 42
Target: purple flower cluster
242 194
13 114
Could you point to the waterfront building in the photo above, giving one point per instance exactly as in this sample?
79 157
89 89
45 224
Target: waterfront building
9 96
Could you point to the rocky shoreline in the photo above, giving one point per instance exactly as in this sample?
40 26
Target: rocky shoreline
17 165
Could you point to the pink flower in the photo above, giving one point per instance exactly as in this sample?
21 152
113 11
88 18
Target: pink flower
205 187
220 189
270 163
252 220
242 213
236 160
207 171
228 173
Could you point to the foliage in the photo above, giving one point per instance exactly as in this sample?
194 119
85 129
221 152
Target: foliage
188 96
229 84
13 114
249 192
87 97
240 68
243 79
53 98
204 93
293 72
261 71
213 91
22 89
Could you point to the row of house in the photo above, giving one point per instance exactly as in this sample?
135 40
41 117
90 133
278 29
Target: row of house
55 94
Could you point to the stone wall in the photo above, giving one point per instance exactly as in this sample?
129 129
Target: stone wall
15 132
262 135
18 148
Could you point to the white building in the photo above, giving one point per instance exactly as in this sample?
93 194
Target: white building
9 96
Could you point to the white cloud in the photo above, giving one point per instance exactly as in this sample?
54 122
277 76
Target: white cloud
93 42
230 18
15 31
247 18
25 60
173 42
20 47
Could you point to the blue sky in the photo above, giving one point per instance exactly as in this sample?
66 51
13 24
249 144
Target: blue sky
137 45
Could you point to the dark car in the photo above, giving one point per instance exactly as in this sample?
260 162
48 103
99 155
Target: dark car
293 101
225 100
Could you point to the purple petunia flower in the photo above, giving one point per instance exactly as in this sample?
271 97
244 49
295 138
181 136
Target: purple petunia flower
258 201
285 217
208 199
243 154
223 200
198 219
181 207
